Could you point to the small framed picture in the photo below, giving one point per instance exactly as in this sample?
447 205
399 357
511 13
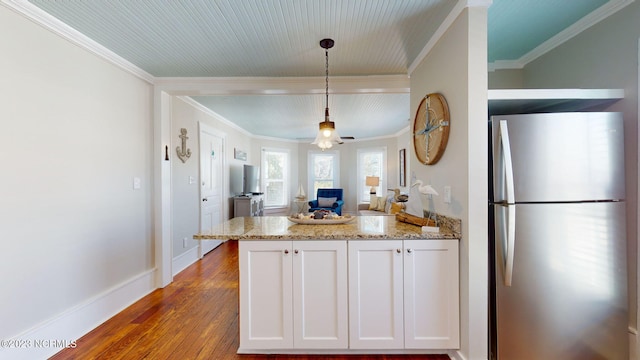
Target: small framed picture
239 154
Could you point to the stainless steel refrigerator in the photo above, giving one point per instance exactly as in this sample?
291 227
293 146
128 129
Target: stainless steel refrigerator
557 237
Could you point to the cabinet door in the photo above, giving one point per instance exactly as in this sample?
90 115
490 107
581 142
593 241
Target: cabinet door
320 294
375 294
241 207
265 295
431 303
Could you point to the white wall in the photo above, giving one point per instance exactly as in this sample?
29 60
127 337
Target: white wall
185 206
456 67
75 132
604 56
506 79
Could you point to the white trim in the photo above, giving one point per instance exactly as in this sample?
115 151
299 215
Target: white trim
456 355
444 26
185 259
633 343
504 65
211 130
44 19
305 85
635 350
162 187
79 320
214 115
204 127
599 14
230 124
552 94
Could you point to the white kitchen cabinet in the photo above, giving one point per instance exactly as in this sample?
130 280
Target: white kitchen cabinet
266 297
293 295
375 294
431 294
320 295
403 294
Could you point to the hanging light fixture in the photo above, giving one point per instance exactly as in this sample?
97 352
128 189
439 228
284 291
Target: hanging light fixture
327 134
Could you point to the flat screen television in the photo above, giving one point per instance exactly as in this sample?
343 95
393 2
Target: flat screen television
251 180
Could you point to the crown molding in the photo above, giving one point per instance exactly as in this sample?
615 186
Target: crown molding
599 14
378 84
213 114
448 21
72 35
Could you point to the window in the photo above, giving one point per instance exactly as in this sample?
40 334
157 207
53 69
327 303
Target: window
371 162
324 171
275 177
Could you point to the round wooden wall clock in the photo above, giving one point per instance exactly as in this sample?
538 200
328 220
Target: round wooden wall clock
431 128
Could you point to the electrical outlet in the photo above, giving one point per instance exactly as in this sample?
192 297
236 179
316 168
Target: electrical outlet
447 194
185 242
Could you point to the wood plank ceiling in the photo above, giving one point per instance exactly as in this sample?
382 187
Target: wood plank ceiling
279 38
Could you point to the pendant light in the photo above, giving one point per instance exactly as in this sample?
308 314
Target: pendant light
327 134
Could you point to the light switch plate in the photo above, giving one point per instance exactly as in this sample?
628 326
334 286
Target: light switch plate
447 194
137 183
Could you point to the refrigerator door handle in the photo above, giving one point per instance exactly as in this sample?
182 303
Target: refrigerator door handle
508 163
511 241
511 214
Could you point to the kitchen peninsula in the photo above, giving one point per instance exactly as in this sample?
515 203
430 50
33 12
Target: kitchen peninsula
370 285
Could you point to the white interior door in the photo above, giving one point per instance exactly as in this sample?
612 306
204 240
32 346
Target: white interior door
211 183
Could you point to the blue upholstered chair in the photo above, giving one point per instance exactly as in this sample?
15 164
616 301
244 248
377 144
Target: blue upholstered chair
327 199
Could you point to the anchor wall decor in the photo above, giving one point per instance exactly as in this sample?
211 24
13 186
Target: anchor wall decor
183 153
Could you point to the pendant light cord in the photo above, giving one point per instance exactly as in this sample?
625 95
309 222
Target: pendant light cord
326 55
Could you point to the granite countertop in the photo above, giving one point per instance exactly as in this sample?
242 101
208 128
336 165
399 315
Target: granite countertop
360 228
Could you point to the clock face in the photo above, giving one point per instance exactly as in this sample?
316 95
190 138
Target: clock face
431 129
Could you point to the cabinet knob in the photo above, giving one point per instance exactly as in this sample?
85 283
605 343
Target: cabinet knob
409 251
286 251
398 251
295 251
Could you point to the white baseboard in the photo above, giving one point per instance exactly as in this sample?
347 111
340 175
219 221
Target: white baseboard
63 330
456 355
185 259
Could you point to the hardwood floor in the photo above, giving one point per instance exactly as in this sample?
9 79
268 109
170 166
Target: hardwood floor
195 317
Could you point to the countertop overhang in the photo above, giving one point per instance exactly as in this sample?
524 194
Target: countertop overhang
360 228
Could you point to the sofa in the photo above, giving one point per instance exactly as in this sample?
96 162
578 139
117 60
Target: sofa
381 206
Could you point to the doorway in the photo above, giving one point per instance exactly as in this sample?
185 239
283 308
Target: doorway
211 183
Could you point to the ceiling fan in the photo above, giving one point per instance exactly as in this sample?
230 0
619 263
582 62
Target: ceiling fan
339 143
